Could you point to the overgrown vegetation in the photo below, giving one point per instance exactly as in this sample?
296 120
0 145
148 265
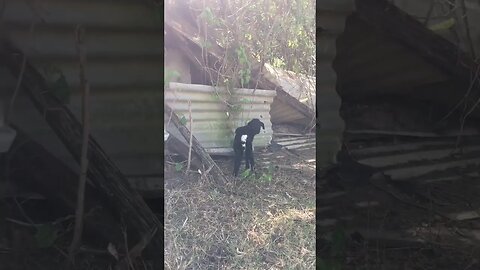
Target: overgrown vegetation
251 34
279 33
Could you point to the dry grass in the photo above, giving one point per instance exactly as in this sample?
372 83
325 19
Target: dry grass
261 225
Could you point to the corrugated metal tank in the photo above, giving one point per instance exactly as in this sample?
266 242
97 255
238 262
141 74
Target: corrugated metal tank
124 49
331 15
211 124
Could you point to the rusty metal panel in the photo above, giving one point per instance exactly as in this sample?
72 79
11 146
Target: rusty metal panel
211 124
123 43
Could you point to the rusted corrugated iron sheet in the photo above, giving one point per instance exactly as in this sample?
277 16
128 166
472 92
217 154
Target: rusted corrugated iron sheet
123 43
212 125
422 160
330 17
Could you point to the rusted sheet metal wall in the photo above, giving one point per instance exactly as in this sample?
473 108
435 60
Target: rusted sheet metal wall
124 46
212 126
331 15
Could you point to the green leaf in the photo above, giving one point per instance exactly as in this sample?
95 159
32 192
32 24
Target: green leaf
183 120
46 235
178 167
245 174
170 75
445 25
207 14
266 177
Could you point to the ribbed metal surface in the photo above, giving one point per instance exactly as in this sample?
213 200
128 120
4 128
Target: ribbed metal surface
211 124
123 45
331 17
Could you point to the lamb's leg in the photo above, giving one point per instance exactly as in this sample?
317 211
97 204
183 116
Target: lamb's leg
238 160
249 154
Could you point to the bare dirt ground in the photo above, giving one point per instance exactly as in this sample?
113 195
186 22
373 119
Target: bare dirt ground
261 222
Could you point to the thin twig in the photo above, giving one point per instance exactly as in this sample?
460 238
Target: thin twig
24 214
127 256
9 111
191 136
467 28
470 87
136 251
84 161
18 222
429 13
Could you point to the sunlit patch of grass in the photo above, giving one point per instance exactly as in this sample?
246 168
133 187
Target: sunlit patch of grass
261 226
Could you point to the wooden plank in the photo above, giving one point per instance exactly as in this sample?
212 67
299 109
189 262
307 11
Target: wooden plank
404 147
465 215
391 160
466 132
406 173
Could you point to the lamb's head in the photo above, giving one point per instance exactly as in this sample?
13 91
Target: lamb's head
255 125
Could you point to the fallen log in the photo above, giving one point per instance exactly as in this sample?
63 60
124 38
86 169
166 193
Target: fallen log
102 171
197 147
